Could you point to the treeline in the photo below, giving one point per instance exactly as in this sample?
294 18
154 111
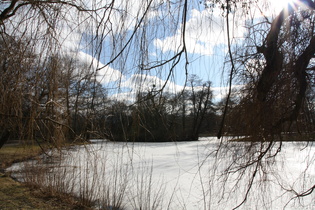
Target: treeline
58 98
49 98
157 116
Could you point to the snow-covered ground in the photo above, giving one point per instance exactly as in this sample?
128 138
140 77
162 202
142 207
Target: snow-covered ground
190 175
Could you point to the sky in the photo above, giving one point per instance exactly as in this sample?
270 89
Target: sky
205 39
97 40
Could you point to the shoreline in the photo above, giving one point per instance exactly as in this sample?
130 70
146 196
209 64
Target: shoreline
17 195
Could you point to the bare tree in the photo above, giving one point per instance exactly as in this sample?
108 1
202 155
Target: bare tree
275 65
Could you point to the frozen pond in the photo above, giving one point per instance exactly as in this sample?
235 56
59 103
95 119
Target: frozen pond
207 174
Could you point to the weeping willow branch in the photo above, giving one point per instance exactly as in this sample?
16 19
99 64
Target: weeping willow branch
230 76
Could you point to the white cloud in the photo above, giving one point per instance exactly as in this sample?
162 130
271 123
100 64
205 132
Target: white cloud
220 93
117 17
143 83
129 89
103 74
127 97
204 30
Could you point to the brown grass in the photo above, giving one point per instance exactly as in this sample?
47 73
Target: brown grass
15 195
16 153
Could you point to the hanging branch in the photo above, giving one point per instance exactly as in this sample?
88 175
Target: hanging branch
230 76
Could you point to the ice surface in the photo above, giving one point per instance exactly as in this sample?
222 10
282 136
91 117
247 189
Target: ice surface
192 175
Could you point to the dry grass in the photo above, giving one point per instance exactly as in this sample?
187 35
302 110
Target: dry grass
15 195
15 153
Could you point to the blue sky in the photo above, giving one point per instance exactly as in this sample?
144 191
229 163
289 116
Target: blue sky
206 46
205 39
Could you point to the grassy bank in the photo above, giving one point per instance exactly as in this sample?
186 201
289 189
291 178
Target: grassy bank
13 153
15 195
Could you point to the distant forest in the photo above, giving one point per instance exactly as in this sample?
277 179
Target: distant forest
56 103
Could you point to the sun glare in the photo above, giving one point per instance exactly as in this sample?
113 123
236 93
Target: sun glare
281 4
